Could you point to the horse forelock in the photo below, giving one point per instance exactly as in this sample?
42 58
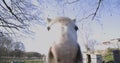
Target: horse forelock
62 20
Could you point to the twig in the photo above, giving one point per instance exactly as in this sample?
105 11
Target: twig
20 10
10 10
95 13
86 17
8 24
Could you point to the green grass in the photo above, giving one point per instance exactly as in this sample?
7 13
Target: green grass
108 57
4 62
33 62
23 62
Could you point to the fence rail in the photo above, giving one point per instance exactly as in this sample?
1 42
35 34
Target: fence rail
10 59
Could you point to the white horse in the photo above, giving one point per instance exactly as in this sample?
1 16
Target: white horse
65 48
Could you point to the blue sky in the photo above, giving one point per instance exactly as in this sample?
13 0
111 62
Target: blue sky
110 27
108 30
103 28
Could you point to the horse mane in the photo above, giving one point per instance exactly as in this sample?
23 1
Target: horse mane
63 20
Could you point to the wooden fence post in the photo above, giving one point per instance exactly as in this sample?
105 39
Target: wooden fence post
116 56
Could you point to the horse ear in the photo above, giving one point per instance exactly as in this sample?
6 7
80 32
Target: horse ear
49 20
74 20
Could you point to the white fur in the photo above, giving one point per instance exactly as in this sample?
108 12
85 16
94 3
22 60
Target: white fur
64 41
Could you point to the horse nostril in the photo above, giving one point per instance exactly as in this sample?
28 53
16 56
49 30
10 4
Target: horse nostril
48 28
58 60
76 28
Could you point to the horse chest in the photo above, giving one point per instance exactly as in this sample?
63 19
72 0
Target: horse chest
65 50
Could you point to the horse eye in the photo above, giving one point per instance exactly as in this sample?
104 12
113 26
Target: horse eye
76 28
48 28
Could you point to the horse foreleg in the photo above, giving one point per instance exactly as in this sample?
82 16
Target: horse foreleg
50 56
79 58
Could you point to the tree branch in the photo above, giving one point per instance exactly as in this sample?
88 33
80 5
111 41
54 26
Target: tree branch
16 4
8 23
86 17
9 26
95 13
10 10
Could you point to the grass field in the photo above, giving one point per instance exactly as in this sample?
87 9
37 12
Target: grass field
22 62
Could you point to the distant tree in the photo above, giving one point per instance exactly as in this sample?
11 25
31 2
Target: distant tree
18 46
15 15
36 54
17 50
5 45
10 48
108 56
33 54
18 53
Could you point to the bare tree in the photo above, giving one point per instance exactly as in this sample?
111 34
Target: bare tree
18 46
18 14
5 45
15 15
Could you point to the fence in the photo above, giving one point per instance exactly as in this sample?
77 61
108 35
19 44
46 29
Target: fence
94 58
22 59
99 59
